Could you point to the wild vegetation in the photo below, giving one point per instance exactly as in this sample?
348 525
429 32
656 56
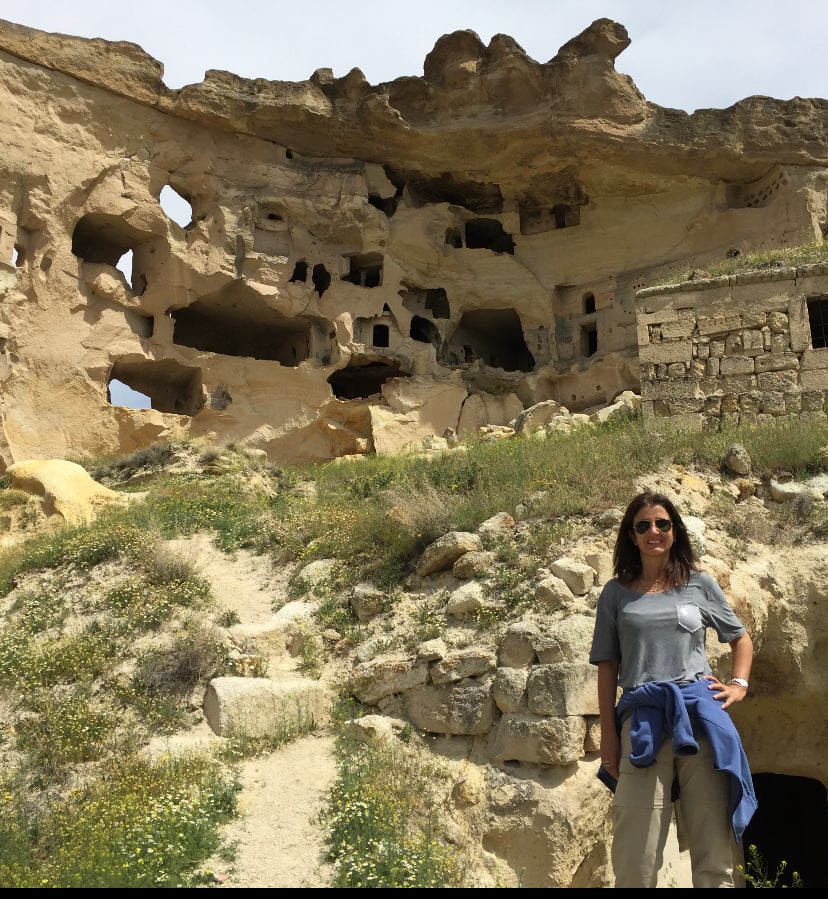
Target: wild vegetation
758 876
782 257
105 635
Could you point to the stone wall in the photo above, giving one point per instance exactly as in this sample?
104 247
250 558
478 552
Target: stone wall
735 349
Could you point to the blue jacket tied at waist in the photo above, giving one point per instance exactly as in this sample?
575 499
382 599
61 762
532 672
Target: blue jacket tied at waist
664 707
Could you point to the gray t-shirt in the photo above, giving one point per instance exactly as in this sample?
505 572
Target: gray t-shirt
661 636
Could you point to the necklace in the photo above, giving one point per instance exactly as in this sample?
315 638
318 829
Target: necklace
656 586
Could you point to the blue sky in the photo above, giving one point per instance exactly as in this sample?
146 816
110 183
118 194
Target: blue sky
689 55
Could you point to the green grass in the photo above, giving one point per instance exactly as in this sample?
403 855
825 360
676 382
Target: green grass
381 818
381 534
138 823
783 257
104 635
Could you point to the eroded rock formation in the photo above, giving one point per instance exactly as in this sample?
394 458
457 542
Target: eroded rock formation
364 265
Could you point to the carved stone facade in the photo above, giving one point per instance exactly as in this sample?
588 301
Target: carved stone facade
362 266
735 350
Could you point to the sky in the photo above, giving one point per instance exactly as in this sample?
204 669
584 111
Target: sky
695 54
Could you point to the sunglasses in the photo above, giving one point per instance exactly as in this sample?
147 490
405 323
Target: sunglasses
663 524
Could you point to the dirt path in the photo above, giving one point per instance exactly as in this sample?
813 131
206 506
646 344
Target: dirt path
277 840
278 843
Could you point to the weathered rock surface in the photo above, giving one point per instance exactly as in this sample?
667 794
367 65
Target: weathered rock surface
62 493
365 266
263 707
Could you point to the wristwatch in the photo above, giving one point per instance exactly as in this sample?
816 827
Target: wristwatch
740 681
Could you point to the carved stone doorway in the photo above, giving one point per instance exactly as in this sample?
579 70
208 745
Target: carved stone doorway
790 825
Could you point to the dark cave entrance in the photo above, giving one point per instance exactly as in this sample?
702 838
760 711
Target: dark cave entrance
360 380
790 825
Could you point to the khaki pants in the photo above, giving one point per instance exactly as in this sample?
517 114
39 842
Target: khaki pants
643 810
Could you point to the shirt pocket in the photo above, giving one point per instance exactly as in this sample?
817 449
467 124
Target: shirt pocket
689 617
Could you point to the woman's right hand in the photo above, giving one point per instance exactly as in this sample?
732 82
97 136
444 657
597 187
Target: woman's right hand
611 752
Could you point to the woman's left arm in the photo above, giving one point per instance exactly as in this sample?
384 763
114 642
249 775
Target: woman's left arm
741 661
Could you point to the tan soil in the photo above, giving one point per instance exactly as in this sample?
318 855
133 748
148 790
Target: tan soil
278 840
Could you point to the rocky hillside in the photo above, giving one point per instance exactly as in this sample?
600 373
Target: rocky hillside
480 661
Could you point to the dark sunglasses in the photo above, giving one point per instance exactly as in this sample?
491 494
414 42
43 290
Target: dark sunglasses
663 524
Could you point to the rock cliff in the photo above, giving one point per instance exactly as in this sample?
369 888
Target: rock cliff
363 265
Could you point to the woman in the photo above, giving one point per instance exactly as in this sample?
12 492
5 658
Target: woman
670 733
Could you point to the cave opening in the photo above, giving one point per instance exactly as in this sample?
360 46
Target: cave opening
488 234
494 336
236 321
164 385
425 331
108 239
365 270
360 380
790 825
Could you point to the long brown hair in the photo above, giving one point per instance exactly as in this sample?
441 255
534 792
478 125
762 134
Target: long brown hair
626 558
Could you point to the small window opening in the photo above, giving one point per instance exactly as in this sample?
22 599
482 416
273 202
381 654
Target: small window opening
321 278
589 340
420 300
300 272
437 303
488 234
121 394
566 216
454 238
175 206
21 250
380 335
425 331
818 318
388 205
365 271
125 266
589 303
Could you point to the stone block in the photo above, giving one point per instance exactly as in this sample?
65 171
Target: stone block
466 708
563 688
539 740
259 707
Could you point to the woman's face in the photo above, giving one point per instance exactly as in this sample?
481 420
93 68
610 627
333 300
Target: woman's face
654 543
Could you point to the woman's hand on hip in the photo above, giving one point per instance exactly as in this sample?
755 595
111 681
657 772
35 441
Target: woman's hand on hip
729 693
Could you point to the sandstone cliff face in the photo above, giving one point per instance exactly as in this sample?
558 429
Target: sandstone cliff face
365 265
